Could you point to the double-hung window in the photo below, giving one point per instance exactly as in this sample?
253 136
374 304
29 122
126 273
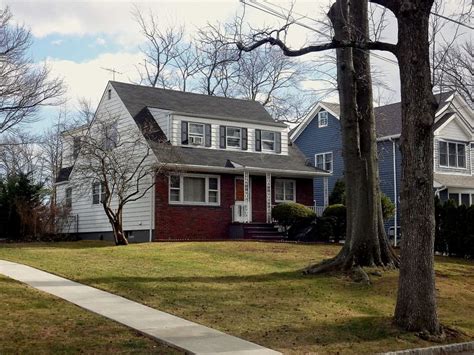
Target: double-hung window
285 190
98 192
194 189
233 137
268 141
68 199
323 119
110 136
196 134
324 161
452 155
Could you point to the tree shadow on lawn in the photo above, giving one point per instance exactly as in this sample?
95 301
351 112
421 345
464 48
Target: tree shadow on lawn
270 277
344 331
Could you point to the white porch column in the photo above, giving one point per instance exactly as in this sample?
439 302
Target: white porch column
326 192
268 189
246 196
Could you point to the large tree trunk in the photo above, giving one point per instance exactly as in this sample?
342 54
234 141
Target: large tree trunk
416 301
366 243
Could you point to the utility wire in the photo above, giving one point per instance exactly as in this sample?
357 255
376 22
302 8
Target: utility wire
256 5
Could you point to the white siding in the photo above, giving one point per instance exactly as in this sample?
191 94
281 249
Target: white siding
137 215
454 131
163 119
215 124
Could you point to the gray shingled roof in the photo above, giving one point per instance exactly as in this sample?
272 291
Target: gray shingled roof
389 117
63 174
332 106
137 97
220 158
455 180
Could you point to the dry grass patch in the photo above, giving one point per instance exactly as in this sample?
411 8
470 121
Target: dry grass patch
256 291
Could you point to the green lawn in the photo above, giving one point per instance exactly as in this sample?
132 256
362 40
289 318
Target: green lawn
33 322
256 291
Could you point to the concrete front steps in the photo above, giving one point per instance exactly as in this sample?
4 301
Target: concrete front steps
262 231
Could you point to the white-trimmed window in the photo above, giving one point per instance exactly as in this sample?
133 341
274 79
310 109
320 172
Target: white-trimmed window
323 119
98 192
285 190
268 141
196 134
324 161
194 189
452 154
233 137
68 199
110 138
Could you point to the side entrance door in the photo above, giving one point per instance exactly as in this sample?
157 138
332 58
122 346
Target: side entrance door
240 210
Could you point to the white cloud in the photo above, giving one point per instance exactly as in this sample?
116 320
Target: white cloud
88 79
100 41
57 42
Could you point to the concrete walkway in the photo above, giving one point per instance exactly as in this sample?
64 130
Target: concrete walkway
174 331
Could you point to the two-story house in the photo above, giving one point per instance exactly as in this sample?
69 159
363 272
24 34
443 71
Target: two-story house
319 138
227 163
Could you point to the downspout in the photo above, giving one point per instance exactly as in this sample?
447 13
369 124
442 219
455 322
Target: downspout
152 209
395 192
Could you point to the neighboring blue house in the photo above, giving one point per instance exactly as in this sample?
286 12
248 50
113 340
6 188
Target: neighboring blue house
319 137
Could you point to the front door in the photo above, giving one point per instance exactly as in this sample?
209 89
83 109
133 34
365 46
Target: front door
240 209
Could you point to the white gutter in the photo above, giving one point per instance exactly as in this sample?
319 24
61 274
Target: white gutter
388 138
250 169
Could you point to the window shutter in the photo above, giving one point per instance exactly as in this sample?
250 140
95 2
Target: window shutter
222 136
277 142
258 140
207 135
244 139
184 132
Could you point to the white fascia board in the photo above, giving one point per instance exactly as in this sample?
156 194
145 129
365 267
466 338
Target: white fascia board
217 169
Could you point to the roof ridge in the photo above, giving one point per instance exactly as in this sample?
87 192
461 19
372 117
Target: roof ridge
179 92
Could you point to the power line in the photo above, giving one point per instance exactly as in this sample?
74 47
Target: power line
271 12
452 20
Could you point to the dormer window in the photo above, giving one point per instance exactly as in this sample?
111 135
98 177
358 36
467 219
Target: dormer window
323 119
234 137
268 141
196 134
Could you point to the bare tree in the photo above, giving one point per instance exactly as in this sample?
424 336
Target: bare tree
416 301
456 71
160 51
24 87
116 166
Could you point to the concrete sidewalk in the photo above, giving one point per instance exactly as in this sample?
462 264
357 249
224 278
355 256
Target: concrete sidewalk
174 331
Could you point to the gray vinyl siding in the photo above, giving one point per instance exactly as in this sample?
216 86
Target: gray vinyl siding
314 140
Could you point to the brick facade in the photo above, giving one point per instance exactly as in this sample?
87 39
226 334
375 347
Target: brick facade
174 222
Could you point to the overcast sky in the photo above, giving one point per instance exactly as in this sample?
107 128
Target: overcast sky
79 38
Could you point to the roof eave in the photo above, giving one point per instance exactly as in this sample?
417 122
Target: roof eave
257 170
263 123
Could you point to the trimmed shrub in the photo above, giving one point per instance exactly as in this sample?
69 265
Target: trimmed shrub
338 214
289 214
